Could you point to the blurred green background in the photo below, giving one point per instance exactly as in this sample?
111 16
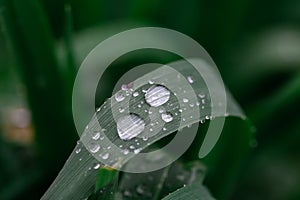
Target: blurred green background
255 44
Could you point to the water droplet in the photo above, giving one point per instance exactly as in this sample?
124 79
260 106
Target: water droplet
161 110
136 151
97 166
167 117
145 138
164 129
98 110
77 151
94 147
201 95
127 193
135 94
96 135
185 100
190 79
151 82
130 126
124 87
126 151
105 156
119 96
121 110
157 96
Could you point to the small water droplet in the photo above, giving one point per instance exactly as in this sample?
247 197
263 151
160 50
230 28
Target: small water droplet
201 95
167 117
127 193
135 94
145 138
185 100
164 129
157 95
161 110
96 135
97 166
121 110
126 151
119 96
136 151
131 147
130 126
151 82
105 156
77 151
94 147
190 79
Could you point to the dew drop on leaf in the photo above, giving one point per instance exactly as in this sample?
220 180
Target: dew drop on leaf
135 94
157 95
96 135
190 79
94 147
119 96
130 126
105 156
167 117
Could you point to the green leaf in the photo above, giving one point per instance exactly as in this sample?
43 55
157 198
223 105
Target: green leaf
69 183
195 191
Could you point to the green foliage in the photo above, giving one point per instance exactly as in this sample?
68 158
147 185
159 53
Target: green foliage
255 45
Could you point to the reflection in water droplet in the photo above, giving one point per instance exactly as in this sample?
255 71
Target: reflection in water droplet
119 96
190 79
94 147
167 117
130 126
157 95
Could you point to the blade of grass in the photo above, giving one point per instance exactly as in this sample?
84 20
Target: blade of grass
68 185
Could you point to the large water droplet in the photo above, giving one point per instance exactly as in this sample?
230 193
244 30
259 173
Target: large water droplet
130 126
167 117
157 95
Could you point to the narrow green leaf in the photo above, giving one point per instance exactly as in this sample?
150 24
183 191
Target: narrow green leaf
173 76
